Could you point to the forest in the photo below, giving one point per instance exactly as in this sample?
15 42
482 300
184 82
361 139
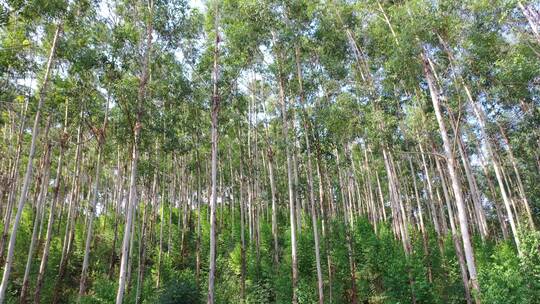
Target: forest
270 151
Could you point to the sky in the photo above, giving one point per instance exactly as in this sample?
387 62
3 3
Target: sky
200 4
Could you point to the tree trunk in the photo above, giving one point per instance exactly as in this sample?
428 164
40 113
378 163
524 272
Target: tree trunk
141 95
198 241
491 187
473 188
456 186
480 116
242 234
214 134
273 192
161 218
290 177
309 173
29 167
455 237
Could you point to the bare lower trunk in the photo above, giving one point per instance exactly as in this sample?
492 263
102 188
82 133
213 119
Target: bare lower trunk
322 209
131 246
475 194
496 205
198 240
160 242
309 173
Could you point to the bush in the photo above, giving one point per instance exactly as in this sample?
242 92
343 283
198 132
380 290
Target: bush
182 290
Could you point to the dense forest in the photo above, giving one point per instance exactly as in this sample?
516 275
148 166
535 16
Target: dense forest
269 151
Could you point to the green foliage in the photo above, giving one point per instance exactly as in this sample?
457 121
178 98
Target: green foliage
502 279
181 290
103 291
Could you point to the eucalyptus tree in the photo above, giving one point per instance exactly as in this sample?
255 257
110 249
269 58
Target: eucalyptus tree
215 106
141 98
